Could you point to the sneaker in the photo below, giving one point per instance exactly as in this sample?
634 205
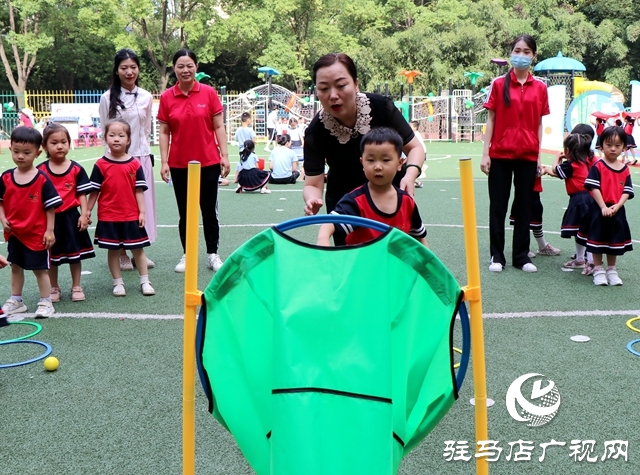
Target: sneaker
45 309
13 306
600 277
531 255
549 250
55 294
146 289
214 262
529 267
265 191
182 265
125 263
612 277
495 266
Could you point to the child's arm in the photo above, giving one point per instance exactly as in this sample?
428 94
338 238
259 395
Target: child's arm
423 241
325 233
141 208
49 238
91 202
556 161
597 196
83 220
294 166
6 225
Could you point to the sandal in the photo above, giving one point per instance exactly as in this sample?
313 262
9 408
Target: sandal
55 294
574 264
119 291
77 295
588 268
146 289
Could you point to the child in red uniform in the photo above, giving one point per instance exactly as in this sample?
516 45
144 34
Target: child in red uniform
378 199
73 243
27 210
605 229
631 142
574 171
118 183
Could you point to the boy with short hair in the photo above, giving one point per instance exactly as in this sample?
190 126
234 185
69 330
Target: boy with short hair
245 132
28 201
378 199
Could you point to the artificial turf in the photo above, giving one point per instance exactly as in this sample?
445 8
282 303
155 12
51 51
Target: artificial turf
114 405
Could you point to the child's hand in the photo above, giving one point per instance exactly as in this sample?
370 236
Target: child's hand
606 212
561 157
3 262
48 240
614 209
6 226
83 223
141 219
89 218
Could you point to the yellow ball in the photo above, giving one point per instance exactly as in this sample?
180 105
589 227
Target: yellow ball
51 363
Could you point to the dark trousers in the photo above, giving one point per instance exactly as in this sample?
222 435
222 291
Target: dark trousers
523 175
208 204
285 181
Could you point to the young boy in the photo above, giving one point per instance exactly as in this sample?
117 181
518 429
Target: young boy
245 132
27 212
378 199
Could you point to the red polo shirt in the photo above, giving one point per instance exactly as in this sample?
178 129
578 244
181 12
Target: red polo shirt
190 119
515 132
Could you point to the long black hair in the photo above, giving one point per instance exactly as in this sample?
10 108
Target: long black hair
115 87
249 147
531 43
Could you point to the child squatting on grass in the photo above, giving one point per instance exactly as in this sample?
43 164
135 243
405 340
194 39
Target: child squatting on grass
28 201
378 199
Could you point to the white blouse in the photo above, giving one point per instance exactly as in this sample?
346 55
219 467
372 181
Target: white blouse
137 111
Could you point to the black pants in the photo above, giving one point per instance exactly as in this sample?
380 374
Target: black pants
523 175
208 204
285 181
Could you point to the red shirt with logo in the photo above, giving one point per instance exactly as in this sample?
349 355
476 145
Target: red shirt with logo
25 207
359 203
515 131
69 185
190 119
611 183
117 183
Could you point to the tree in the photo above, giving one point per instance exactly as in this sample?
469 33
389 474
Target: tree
22 38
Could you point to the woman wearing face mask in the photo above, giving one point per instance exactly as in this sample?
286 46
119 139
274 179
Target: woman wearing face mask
517 102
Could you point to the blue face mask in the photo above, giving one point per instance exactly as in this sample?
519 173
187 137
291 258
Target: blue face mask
521 62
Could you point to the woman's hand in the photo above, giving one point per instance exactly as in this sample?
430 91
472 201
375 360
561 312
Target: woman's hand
485 164
165 172
6 225
225 166
407 184
3 262
312 206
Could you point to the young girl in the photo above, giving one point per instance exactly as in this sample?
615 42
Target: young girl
297 141
600 125
249 176
73 243
574 171
605 229
119 183
631 142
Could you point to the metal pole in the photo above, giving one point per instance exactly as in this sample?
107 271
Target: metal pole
450 134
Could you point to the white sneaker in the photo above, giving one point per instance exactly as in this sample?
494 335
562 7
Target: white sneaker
45 309
495 266
214 262
612 277
182 265
13 306
600 277
529 267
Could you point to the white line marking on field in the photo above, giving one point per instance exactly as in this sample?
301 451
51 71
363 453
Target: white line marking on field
148 316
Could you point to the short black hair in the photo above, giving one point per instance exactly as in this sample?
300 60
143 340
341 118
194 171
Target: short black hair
611 132
381 135
24 134
245 116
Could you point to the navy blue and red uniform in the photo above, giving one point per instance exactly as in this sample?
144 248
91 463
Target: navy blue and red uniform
359 203
574 173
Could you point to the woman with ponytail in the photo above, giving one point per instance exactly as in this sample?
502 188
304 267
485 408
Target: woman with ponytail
127 101
516 104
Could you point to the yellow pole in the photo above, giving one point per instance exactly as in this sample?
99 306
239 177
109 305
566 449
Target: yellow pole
192 298
473 295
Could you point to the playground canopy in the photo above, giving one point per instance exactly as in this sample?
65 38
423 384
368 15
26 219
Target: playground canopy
559 64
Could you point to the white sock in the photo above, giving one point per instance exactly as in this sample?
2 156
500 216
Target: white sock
118 281
17 298
580 250
589 258
144 279
540 240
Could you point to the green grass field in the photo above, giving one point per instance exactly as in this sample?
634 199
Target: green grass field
114 405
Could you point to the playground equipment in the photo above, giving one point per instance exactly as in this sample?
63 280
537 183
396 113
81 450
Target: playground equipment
280 394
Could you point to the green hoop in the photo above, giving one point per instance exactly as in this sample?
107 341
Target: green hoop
34 333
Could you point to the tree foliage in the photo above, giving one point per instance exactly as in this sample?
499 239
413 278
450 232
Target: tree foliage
76 39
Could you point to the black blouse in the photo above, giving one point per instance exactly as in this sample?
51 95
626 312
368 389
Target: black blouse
326 139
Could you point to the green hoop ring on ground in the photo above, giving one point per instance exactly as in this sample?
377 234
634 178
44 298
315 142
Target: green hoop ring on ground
631 326
34 333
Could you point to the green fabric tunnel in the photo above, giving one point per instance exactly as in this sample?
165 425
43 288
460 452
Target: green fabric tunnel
328 360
